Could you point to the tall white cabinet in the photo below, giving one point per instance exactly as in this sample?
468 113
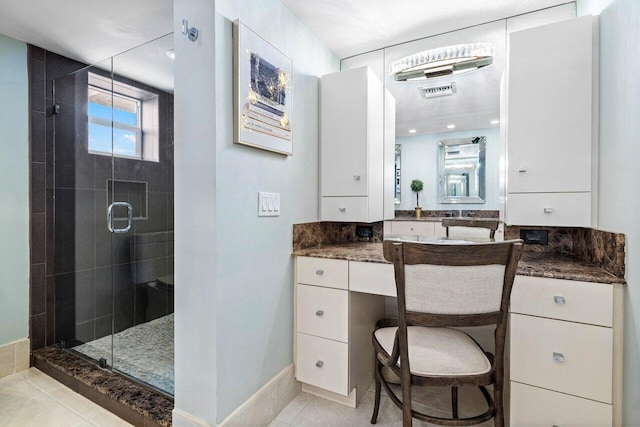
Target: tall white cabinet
354 141
552 129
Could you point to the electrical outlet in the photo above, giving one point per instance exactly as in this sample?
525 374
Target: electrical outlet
535 237
364 231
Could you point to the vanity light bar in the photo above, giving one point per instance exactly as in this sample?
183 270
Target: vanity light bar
443 61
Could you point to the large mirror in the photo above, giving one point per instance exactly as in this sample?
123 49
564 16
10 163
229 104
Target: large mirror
469 107
437 120
461 170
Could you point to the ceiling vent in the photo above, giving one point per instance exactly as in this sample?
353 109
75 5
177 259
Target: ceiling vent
438 90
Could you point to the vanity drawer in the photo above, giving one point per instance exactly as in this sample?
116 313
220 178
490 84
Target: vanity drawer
331 273
323 363
349 209
372 278
582 302
568 357
413 228
533 406
549 209
439 230
323 312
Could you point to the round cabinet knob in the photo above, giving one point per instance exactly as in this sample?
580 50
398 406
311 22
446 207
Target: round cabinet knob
558 299
558 357
548 210
356 177
319 313
319 272
319 364
342 209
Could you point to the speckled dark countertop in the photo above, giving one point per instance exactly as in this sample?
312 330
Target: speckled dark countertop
538 264
439 219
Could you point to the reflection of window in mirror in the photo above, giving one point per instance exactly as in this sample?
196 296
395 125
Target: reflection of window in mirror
398 174
462 170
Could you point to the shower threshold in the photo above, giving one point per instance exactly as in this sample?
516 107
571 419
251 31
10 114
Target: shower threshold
126 398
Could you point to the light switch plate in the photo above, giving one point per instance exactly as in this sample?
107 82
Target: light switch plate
268 204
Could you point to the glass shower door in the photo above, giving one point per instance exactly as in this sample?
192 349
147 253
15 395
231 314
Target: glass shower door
82 164
113 213
143 178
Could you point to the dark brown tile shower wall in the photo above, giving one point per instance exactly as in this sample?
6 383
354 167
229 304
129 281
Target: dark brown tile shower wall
71 273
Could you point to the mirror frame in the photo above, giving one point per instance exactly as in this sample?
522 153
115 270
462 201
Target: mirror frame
442 196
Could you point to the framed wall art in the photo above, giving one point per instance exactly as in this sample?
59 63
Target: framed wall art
262 93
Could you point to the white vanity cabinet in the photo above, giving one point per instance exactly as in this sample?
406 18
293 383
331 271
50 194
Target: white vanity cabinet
552 118
425 228
415 228
565 353
333 326
353 139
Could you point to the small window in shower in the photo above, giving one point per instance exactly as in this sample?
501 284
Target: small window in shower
123 119
106 109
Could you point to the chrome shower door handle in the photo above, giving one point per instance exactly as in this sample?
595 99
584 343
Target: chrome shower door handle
110 217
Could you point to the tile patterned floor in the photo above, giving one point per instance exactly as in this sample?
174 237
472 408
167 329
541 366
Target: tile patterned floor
144 351
309 411
32 399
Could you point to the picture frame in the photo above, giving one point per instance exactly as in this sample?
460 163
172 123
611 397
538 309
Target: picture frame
263 93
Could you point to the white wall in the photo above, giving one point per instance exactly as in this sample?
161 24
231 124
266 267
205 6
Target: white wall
255 268
14 191
591 7
420 161
195 214
619 179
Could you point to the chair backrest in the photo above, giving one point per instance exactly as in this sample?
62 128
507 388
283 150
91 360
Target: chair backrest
454 284
464 228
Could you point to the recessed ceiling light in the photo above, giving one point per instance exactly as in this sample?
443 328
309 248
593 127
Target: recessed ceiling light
451 126
412 131
494 122
171 54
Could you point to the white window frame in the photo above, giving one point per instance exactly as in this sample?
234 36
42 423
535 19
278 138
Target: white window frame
148 135
114 124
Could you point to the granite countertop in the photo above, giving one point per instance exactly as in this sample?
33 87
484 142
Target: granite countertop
537 264
440 218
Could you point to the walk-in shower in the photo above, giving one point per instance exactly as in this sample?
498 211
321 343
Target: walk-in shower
112 215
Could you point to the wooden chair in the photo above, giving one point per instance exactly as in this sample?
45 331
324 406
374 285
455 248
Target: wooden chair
440 287
462 228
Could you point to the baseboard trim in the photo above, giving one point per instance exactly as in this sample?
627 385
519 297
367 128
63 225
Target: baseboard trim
265 404
184 419
14 357
351 400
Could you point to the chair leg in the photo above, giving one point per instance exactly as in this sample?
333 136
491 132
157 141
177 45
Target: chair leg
407 418
498 420
376 406
454 401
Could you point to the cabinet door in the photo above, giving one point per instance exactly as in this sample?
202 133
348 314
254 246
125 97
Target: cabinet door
413 228
533 406
568 357
323 363
550 107
323 312
343 133
549 209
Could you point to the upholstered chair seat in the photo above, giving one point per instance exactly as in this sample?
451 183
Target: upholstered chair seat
438 351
